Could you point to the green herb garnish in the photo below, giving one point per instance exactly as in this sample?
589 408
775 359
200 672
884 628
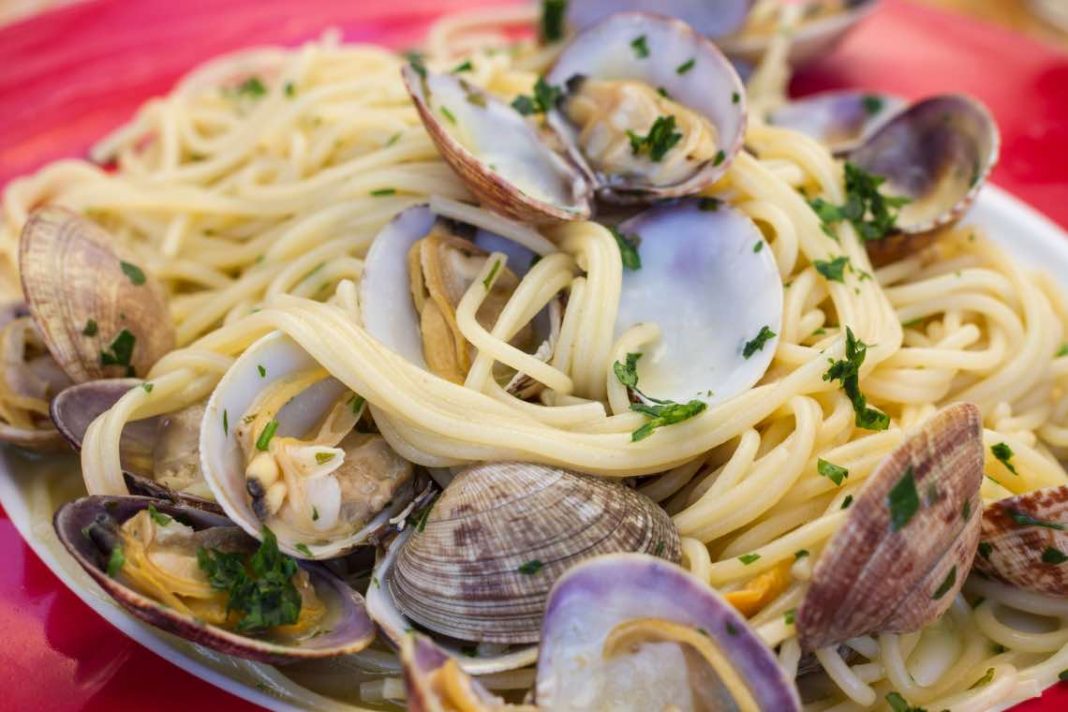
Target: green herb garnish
464 66
872 104
160 519
120 351
289 89
847 371
321 458
262 370
1026 520
116 561
984 680
686 66
303 548
735 97
1053 556
226 423
661 138
847 502
985 547
91 328
544 98
720 157
134 273
628 249
492 276
315 514
627 373
871 213
665 413
382 192
900 704
758 246
448 114
903 501
531 567
356 402
833 270
1004 454
947 584
148 386
252 87
264 440
748 558
800 554
835 473
790 615
757 342
641 49
553 13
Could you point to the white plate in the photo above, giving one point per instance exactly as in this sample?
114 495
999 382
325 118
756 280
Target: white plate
27 484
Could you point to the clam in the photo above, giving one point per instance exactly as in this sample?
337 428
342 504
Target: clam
908 541
159 455
174 567
501 157
1024 541
711 19
633 632
30 379
648 108
436 682
415 274
99 314
278 448
841 120
477 565
697 256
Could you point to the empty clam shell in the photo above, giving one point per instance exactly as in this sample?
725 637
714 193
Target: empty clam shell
500 156
620 633
697 257
907 544
711 19
88 529
99 313
636 68
1024 541
273 361
841 120
151 450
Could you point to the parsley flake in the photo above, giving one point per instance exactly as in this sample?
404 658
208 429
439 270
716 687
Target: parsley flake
159 518
984 680
640 47
303 548
544 98
148 386
252 87
947 584
1004 454
847 371
661 414
790 616
531 567
1053 556
757 342
264 440
322 458
134 273
120 351
863 199
800 554
903 501
835 473
262 370
1026 520
847 502
382 192
448 114
116 561
553 13
91 328
627 373
748 558
833 270
628 250
226 423
985 547
686 66
464 66
492 276
661 138
872 104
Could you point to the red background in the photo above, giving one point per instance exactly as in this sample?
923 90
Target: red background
69 76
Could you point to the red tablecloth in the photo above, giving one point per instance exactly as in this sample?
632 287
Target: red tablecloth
69 76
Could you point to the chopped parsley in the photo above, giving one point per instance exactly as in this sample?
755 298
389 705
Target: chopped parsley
748 558
552 20
640 47
448 114
544 98
418 519
627 373
290 90
226 423
91 328
1004 454
665 413
863 199
758 246
464 66
356 402
492 276
708 205
116 561
262 370
834 270
735 97
984 680
160 519
415 59
120 351
470 651
985 547
966 510
382 192
1026 520
903 501
947 584
303 548
686 66
252 87
835 473
628 250
661 138
264 440
148 386
720 157
1062 351
847 502
261 588
393 139
730 628
134 273
789 616
321 458
900 704
757 342
847 371
800 554
1053 556
659 551
315 514
531 567
872 104
1063 676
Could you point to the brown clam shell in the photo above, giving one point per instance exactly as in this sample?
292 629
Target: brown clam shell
480 565
873 578
72 274
1024 541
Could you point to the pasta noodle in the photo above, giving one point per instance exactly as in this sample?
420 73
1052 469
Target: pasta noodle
256 212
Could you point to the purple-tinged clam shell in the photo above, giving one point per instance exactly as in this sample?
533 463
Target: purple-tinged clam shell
841 120
422 659
669 57
1024 541
598 597
908 541
711 19
87 527
76 407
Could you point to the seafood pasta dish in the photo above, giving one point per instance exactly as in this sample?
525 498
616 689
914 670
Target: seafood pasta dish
552 366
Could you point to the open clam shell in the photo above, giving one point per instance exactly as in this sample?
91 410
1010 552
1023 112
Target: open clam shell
907 544
597 600
497 153
669 57
99 313
698 256
37 376
347 629
75 408
266 362
711 19
841 120
1024 541
423 661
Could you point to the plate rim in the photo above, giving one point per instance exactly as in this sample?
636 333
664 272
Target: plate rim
1042 232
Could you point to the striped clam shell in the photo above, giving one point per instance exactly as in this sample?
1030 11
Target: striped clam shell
1024 541
874 576
480 565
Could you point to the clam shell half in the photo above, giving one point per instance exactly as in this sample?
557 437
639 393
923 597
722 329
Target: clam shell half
1024 541
350 628
711 19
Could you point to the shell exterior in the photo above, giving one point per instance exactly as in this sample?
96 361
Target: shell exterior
480 565
351 630
76 407
939 153
499 156
711 19
594 597
841 120
692 257
221 459
1024 541
872 577
711 88
72 274
42 439
421 659
811 41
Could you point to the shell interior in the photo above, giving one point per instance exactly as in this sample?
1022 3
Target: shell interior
841 120
711 284
594 597
711 19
